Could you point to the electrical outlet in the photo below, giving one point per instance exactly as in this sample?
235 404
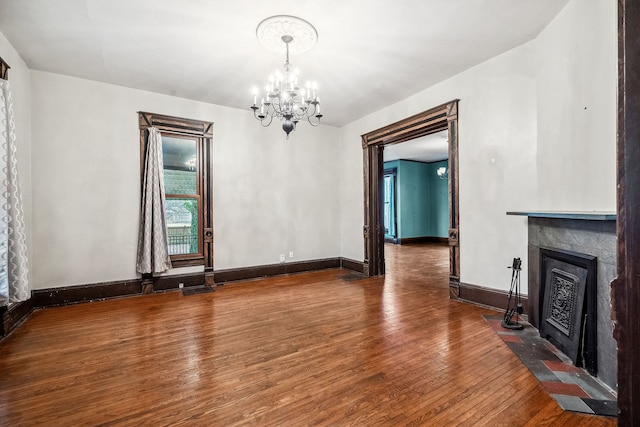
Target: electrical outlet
180 285
291 254
282 258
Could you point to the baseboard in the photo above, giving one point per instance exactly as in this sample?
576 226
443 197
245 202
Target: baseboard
99 291
349 264
444 240
51 297
66 295
486 297
171 283
260 271
424 239
13 316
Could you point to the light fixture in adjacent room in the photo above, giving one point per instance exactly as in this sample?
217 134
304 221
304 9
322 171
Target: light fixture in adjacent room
283 98
443 172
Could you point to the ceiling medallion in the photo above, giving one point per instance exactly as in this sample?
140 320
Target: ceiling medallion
282 97
303 35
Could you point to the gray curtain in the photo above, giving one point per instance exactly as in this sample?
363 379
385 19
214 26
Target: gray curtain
14 270
153 248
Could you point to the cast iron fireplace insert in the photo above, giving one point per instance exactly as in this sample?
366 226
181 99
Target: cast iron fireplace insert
568 304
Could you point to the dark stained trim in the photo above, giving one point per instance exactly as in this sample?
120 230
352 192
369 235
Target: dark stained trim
625 290
436 119
313 265
84 293
13 316
100 291
349 264
176 124
486 297
260 271
412 161
202 132
171 283
410 128
189 262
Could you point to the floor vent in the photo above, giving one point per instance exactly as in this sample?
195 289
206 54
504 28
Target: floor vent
351 277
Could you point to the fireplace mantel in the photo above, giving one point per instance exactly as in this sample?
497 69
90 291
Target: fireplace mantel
584 215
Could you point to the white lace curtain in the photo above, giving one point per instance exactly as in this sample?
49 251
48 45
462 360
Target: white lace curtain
14 271
153 246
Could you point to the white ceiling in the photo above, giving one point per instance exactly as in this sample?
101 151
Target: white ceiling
369 55
429 148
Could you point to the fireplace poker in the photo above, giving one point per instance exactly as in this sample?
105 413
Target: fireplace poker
514 306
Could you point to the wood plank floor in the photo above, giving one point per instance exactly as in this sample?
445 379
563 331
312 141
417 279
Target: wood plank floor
306 349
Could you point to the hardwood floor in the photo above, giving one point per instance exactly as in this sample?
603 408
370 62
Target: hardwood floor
306 349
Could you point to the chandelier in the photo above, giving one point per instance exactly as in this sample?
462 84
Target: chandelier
283 98
442 172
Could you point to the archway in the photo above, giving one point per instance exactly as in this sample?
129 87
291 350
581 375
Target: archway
442 117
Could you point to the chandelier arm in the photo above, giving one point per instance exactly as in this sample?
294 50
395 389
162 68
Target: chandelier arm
268 123
309 112
276 106
314 124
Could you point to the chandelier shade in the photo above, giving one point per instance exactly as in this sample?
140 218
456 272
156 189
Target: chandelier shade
283 97
442 172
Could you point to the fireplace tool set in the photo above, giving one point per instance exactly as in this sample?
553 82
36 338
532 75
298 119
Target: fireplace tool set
514 306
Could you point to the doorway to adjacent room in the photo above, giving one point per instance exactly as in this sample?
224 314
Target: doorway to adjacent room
441 118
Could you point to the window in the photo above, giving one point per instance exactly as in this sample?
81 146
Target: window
187 159
389 203
182 192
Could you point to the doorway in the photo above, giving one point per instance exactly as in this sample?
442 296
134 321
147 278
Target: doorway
441 118
415 190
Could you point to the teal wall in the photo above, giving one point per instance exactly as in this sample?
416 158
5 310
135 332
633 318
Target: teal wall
422 199
438 201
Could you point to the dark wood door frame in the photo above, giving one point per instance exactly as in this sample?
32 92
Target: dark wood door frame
203 132
625 290
442 117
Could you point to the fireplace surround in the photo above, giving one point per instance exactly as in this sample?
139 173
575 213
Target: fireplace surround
592 234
